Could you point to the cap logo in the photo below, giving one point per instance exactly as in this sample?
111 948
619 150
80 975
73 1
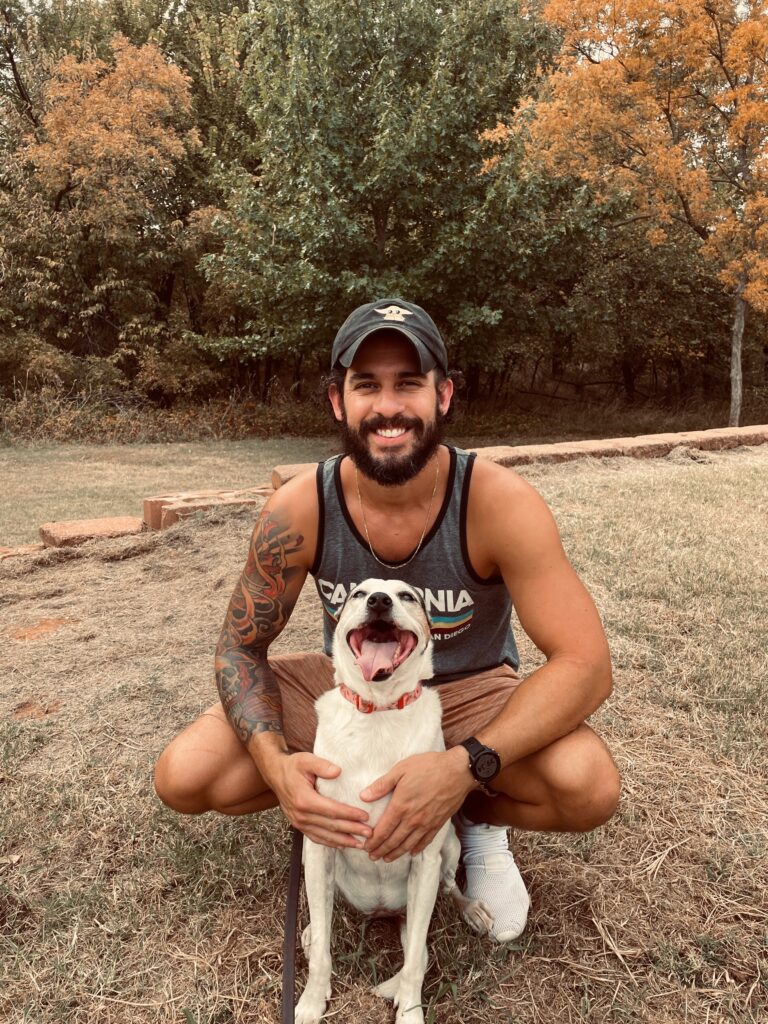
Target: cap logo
396 313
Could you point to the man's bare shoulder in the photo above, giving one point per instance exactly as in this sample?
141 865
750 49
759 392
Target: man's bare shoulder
508 520
498 486
295 506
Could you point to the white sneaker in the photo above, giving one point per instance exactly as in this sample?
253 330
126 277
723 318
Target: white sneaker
493 877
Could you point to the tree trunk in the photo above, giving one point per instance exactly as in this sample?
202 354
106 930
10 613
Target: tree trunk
297 378
737 334
473 382
628 373
265 398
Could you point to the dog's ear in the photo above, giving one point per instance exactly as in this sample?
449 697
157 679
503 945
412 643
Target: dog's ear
343 604
421 601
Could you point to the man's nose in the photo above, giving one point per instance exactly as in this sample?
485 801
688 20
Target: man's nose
380 602
389 402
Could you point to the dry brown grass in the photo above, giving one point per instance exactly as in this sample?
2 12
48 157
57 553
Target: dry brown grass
113 908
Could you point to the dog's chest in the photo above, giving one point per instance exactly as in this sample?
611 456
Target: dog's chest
366 747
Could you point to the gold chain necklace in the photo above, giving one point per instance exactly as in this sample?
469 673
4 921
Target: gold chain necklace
423 532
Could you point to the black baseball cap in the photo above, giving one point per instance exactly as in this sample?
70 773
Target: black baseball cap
407 318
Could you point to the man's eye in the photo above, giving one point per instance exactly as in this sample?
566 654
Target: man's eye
405 596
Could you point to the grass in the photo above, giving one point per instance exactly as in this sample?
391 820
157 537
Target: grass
44 483
113 908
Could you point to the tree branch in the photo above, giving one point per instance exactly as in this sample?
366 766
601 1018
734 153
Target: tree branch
26 104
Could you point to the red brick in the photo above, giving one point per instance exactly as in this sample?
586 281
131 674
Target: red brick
72 532
181 509
282 474
643 446
154 507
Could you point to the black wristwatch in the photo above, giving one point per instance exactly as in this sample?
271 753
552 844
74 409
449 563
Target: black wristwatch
484 762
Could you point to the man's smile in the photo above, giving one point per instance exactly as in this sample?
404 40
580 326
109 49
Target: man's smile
393 432
391 437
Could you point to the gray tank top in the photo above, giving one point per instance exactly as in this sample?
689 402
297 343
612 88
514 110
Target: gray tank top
470 615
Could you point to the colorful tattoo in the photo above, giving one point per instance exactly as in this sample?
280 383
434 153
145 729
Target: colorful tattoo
259 609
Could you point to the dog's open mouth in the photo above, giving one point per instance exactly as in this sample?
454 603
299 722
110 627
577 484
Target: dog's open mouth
379 647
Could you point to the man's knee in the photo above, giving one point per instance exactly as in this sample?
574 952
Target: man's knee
181 780
584 783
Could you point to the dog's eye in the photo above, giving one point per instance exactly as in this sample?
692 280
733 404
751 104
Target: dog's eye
358 593
406 596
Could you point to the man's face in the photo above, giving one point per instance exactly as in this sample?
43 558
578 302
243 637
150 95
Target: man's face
391 414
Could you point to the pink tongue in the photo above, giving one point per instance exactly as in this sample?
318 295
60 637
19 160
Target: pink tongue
375 657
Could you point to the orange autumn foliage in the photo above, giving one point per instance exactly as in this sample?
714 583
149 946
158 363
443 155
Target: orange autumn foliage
666 103
112 135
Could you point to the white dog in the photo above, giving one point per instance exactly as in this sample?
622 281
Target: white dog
382 652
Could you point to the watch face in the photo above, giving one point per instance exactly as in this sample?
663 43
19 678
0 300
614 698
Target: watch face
487 766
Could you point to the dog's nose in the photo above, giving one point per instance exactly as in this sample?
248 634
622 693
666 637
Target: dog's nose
379 602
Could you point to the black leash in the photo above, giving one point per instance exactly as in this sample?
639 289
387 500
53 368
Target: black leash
291 916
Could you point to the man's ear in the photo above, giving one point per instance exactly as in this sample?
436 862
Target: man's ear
445 394
337 403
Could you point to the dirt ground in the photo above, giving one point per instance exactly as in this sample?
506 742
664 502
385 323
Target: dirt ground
114 908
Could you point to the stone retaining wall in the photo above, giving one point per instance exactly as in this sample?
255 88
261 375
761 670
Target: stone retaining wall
645 446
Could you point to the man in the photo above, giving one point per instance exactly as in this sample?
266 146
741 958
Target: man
475 539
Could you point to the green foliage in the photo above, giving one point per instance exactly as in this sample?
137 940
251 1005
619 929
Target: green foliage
366 123
193 197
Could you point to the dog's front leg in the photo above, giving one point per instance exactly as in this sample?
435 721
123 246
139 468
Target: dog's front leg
319 865
423 883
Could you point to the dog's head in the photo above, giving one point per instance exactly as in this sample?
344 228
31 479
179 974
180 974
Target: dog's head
382 645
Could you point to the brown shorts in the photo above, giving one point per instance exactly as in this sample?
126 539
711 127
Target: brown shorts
468 704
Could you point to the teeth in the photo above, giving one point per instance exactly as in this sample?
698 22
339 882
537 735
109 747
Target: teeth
392 433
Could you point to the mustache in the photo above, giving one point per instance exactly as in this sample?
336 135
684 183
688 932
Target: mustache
391 423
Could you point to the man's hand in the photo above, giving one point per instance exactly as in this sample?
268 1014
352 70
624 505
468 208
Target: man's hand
324 820
426 790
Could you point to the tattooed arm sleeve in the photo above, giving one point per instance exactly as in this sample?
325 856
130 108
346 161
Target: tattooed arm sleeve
259 609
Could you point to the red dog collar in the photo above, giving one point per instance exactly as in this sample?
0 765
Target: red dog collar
367 706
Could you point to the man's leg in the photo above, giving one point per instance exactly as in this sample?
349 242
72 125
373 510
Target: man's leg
207 768
570 785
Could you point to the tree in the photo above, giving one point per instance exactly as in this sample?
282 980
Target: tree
365 126
639 307
662 102
89 214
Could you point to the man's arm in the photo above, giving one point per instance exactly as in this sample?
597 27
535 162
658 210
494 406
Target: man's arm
259 609
557 613
269 586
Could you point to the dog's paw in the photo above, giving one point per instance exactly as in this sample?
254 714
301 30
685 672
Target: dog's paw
387 989
311 1007
478 916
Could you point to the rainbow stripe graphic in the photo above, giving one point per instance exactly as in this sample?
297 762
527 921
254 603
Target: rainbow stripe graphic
450 623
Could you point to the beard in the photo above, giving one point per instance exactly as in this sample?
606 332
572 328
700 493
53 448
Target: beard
391 470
